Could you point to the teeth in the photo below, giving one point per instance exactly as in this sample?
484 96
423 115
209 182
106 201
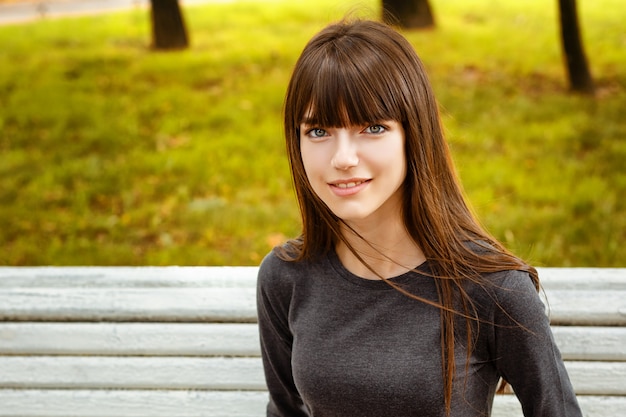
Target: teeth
349 184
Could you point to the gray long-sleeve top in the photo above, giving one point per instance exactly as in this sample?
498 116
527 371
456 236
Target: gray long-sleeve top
334 344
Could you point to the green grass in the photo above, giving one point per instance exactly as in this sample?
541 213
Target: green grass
111 154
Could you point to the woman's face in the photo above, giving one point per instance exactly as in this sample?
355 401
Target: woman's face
357 171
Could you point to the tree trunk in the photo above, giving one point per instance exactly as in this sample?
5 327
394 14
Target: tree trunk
576 62
410 14
168 26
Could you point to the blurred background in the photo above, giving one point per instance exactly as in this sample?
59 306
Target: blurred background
150 133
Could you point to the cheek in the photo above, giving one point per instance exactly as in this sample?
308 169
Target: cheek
306 163
402 162
388 158
396 160
312 161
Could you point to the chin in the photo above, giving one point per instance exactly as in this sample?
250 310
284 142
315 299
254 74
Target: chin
351 216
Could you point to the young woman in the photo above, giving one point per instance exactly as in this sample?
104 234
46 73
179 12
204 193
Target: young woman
393 301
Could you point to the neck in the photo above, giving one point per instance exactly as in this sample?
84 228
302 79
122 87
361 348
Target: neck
386 247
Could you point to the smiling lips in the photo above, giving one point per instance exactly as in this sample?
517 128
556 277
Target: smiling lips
348 184
349 187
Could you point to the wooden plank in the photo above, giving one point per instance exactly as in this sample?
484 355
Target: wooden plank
592 406
120 403
136 403
245 276
129 304
583 278
112 339
597 378
215 373
225 339
586 308
238 304
139 372
591 343
128 277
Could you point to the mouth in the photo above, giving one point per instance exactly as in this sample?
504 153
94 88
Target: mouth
344 188
350 184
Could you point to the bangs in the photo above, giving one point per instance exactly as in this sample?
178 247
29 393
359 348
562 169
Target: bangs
347 89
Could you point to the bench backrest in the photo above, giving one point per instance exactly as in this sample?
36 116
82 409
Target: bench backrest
182 341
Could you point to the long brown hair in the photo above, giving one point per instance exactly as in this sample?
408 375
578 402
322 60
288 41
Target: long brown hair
358 72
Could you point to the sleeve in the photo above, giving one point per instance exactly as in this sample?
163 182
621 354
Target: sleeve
273 299
526 354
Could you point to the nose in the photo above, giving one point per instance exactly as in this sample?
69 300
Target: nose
346 155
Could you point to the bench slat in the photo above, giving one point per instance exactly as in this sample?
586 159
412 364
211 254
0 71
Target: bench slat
120 403
109 339
583 278
223 339
567 307
591 343
592 406
132 403
139 372
217 373
245 276
129 304
128 277
586 308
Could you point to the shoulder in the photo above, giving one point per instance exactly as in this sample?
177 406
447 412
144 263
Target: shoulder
506 286
274 267
503 290
512 296
270 263
279 276
510 281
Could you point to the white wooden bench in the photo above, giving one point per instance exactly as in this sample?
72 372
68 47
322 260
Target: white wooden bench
182 341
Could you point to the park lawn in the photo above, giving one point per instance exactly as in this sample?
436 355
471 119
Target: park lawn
112 154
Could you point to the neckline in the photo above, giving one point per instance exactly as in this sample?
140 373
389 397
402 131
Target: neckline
421 270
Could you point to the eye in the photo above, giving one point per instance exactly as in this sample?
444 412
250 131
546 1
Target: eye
375 129
316 133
